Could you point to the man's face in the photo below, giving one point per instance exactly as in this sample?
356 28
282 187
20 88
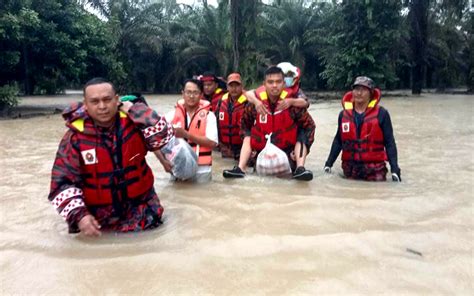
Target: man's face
235 89
361 94
274 84
209 87
101 103
191 94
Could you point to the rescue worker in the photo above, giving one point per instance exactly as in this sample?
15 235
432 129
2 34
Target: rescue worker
229 113
100 178
295 97
365 135
282 124
211 90
193 120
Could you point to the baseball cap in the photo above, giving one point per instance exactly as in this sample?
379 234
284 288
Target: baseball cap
364 81
234 77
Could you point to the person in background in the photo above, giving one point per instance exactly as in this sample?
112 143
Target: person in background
211 90
100 179
295 95
193 120
229 113
365 135
283 125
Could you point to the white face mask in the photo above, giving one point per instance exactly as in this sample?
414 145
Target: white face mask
289 81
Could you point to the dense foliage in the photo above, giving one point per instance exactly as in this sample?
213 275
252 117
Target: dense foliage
151 46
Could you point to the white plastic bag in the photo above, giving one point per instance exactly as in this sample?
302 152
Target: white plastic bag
183 158
272 160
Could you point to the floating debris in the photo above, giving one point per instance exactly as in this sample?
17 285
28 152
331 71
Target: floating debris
414 252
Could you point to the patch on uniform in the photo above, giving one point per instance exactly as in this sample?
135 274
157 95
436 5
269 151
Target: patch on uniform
345 127
89 156
221 115
202 114
263 118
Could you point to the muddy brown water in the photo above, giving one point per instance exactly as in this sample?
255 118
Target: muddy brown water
258 235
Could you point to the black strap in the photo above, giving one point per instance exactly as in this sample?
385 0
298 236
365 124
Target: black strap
116 179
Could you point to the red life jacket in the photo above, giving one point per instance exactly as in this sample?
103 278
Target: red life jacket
197 126
279 123
369 145
229 116
292 92
107 179
214 99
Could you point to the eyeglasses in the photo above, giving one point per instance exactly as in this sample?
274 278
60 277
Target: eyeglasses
190 93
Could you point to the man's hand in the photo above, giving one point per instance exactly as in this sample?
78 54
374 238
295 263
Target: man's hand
180 132
89 226
396 177
327 170
261 109
167 165
284 104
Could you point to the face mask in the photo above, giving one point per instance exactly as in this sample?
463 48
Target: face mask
289 81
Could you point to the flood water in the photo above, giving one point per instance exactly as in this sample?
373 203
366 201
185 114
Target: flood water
258 235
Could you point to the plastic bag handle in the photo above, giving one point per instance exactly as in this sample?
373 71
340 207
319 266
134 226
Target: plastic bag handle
269 137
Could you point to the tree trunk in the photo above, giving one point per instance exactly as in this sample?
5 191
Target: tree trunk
236 21
418 41
26 71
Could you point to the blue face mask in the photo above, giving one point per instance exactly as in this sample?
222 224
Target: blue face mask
289 81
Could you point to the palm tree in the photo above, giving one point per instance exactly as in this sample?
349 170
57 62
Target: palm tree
207 45
285 31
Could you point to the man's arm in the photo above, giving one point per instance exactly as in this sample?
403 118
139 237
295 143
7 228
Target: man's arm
259 106
247 120
305 124
301 101
167 165
389 140
156 130
336 145
66 194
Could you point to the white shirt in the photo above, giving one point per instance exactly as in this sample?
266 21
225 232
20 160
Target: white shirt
211 134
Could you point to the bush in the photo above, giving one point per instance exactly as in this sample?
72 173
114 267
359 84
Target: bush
8 96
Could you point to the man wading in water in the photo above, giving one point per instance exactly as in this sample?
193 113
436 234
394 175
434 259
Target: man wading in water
365 135
100 178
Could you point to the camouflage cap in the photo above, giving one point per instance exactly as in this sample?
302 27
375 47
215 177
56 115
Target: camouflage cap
364 81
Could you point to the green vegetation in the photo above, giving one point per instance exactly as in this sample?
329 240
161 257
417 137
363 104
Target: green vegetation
8 96
151 46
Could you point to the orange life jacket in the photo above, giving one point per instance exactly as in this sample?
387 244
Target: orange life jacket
229 115
279 123
197 126
109 177
369 145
